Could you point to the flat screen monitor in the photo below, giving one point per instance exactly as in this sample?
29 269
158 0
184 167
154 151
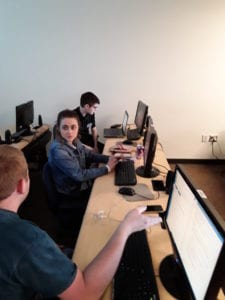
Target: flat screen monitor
150 144
24 116
196 270
141 116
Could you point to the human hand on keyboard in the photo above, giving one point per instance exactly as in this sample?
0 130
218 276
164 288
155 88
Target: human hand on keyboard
122 155
120 148
112 162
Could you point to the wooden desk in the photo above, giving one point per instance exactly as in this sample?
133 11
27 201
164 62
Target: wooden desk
26 140
106 208
34 146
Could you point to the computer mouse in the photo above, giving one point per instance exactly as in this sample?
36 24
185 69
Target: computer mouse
127 191
128 142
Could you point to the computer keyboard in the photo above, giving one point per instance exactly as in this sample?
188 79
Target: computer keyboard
133 134
135 279
125 173
18 134
23 132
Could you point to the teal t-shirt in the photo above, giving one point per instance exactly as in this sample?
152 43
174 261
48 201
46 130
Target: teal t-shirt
30 261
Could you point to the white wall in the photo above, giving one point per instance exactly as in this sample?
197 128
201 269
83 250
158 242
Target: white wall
169 53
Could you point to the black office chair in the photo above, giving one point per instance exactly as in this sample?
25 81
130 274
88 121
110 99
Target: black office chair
68 211
50 188
54 131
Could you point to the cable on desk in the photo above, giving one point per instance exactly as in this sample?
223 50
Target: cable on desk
161 146
158 195
162 167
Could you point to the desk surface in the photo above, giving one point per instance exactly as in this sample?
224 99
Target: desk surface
106 208
26 140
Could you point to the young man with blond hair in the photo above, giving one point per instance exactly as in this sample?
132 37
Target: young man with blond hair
31 263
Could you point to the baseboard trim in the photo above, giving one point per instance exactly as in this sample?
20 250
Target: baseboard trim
195 161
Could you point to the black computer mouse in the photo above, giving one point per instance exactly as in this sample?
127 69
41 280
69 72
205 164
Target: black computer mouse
127 142
127 191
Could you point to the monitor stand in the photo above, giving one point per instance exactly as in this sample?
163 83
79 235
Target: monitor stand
173 278
27 132
153 173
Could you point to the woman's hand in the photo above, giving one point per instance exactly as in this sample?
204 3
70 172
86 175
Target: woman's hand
112 162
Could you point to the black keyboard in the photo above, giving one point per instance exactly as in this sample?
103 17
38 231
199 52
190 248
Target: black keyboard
135 279
125 173
133 134
18 134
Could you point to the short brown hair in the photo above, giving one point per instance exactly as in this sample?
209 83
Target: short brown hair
89 98
13 167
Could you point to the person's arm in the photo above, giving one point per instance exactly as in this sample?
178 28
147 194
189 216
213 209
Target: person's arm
68 162
88 147
95 138
112 162
91 283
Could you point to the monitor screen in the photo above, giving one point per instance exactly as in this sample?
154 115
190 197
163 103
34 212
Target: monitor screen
196 269
150 144
24 116
140 117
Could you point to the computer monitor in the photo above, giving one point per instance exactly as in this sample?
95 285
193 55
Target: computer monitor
25 116
141 116
196 270
150 144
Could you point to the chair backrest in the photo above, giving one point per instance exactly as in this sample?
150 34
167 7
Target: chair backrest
49 184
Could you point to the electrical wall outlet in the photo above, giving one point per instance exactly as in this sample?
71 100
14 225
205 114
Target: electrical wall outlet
210 138
213 138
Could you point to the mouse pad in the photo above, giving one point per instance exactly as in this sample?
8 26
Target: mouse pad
143 193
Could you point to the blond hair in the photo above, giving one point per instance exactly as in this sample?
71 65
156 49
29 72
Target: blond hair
13 167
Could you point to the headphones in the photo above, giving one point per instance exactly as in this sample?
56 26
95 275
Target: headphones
8 137
40 122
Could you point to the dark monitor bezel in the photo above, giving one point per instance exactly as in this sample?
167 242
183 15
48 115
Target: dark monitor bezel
24 115
142 110
216 281
150 144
